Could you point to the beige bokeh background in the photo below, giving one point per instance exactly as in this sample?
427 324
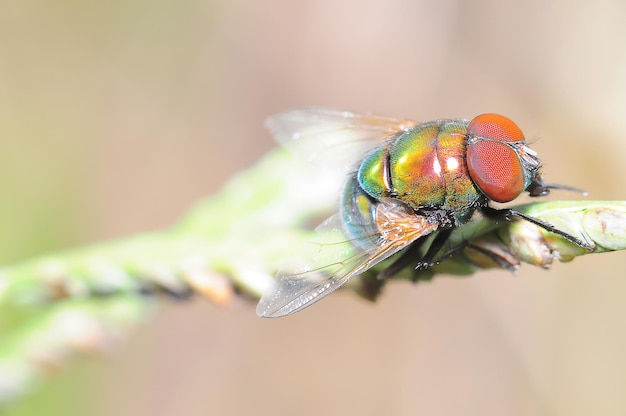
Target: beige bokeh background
117 116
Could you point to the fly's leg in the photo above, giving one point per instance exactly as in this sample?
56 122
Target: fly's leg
408 256
431 258
499 259
428 260
508 214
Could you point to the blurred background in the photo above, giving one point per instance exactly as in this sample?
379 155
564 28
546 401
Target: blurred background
115 117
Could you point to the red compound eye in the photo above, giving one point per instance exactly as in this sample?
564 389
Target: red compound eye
495 127
493 165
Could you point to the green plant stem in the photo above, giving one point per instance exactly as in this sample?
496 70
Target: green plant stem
230 246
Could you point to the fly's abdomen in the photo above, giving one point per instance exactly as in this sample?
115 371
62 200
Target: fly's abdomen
358 212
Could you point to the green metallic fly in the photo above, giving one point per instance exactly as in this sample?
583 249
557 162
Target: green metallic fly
410 183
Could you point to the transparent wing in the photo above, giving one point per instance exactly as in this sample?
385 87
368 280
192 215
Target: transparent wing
332 137
333 260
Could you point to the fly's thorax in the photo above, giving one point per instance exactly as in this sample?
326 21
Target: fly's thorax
424 167
461 195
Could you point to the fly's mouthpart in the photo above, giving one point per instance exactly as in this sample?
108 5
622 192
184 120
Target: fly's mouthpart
537 188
